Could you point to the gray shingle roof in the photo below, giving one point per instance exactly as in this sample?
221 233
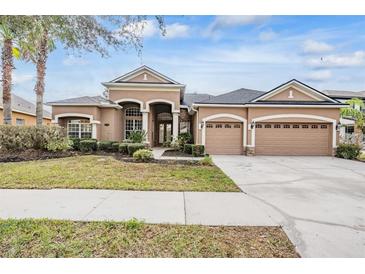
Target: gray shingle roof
239 96
190 98
344 94
20 104
293 103
84 100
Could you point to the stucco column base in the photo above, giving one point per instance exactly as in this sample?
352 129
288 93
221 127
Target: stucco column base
334 150
250 151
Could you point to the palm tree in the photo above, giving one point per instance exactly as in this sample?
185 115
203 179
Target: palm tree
355 111
11 32
82 33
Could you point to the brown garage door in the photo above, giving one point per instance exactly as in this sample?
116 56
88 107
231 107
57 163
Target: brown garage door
223 138
293 139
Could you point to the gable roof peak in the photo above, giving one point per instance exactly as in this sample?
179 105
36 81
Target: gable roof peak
130 74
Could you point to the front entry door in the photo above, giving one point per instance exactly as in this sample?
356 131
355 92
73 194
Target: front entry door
164 132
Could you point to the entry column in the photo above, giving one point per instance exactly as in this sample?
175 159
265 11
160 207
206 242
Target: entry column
145 124
175 125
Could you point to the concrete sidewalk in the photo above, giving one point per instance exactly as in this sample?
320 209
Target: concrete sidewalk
207 208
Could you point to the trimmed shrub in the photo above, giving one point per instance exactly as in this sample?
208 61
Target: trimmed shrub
166 144
105 145
184 138
348 151
206 161
132 148
143 155
127 141
88 145
188 148
137 136
20 138
198 150
123 148
75 143
59 145
115 146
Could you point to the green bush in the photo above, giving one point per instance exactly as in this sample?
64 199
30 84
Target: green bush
206 161
166 144
115 146
123 148
59 145
132 148
88 145
188 148
198 150
143 155
75 143
184 138
127 141
105 145
348 151
137 136
18 138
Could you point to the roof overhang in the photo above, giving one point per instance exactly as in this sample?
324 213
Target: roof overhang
218 105
111 84
297 106
28 113
84 105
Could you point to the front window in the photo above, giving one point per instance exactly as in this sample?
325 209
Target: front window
20 122
133 120
79 129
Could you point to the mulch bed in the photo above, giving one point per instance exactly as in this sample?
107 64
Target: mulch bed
31 155
175 153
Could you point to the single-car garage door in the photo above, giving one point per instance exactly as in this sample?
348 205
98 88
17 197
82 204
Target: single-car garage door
223 138
293 139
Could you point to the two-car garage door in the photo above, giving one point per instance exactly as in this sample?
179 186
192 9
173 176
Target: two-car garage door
292 139
271 138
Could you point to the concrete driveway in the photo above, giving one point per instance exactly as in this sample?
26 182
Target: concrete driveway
320 201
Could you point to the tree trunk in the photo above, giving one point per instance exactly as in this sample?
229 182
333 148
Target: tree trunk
7 67
41 74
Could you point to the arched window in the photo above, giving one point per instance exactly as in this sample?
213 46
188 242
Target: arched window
133 120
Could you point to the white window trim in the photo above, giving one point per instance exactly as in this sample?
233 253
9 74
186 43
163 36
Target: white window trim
225 115
79 131
294 115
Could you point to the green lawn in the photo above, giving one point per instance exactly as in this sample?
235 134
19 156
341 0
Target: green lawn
106 172
45 238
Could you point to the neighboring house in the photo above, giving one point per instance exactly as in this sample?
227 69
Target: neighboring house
291 119
23 112
347 124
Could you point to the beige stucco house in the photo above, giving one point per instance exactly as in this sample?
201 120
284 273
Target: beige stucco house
291 119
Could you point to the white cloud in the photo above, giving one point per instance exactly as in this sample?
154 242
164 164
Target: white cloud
177 30
312 46
150 28
72 60
22 78
238 20
267 35
319 75
346 60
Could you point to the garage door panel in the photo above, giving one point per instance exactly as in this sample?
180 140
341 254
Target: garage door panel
298 139
223 138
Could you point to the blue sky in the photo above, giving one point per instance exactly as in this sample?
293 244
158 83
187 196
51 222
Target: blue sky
217 54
